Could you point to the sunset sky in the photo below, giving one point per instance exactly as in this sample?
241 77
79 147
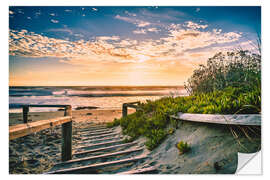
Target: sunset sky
62 46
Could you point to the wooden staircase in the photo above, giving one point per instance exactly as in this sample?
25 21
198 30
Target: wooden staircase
101 150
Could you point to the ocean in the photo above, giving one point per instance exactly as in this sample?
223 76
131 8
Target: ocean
104 97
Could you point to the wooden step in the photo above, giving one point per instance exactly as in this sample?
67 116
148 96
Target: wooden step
148 170
105 148
100 144
96 131
100 156
95 134
90 169
99 140
92 129
98 137
97 126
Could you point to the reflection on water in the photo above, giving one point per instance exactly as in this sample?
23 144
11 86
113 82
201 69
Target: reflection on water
105 98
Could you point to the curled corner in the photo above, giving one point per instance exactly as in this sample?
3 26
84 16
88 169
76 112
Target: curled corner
249 163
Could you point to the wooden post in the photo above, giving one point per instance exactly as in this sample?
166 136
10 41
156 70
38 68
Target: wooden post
124 110
67 137
25 114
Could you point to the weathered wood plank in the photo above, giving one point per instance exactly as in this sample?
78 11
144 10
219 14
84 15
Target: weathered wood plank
93 131
44 105
99 140
95 134
67 136
132 106
101 144
101 156
124 110
93 167
101 136
136 102
105 148
21 130
236 119
148 170
97 127
25 114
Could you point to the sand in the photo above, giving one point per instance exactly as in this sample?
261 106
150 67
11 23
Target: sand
36 153
210 144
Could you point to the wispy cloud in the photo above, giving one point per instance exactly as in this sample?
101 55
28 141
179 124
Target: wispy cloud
139 31
94 9
106 38
54 21
62 30
153 30
37 14
133 20
144 31
193 25
130 14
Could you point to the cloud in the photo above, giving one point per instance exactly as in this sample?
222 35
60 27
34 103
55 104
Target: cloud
130 14
11 12
94 9
197 9
144 31
190 45
54 21
68 10
52 14
37 14
153 30
105 38
62 30
139 31
20 11
193 25
135 21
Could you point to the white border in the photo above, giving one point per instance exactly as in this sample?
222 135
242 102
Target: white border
4 71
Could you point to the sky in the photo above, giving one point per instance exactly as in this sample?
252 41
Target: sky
84 46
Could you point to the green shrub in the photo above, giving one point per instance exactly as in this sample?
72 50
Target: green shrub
183 147
155 137
116 122
236 69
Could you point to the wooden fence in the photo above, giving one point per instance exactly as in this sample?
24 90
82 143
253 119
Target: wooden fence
125 107
27 128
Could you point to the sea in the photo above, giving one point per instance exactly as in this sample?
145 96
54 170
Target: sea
103 97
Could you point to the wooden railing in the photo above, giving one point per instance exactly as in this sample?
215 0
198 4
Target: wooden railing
125 107
27 128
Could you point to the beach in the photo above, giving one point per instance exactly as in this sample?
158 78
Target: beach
38 152
211 144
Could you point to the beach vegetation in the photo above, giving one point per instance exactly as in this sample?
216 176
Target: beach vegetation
183 147
115 122
229 84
